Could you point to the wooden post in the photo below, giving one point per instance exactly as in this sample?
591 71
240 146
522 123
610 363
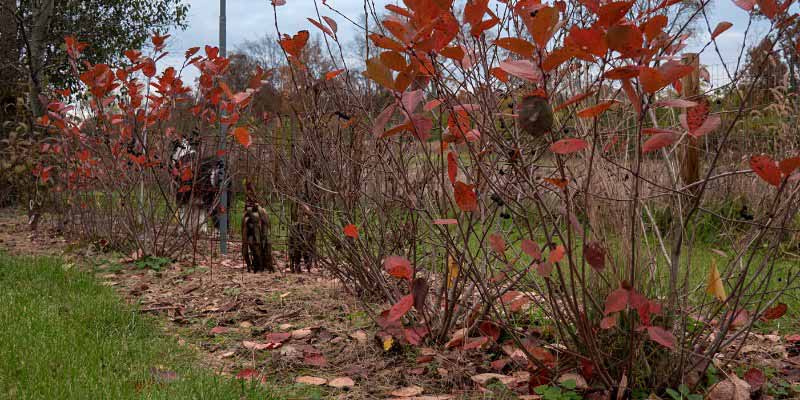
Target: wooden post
689 154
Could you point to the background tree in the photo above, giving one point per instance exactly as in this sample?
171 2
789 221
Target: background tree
110 26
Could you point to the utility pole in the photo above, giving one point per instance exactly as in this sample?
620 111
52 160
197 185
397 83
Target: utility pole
223 201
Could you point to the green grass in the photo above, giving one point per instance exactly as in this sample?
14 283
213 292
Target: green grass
64 336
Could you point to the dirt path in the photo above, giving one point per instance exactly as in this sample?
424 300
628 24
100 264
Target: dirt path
234 319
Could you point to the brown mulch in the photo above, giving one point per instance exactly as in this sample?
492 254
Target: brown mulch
283 326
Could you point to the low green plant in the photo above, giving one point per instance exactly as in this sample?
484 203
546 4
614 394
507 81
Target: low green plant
683 393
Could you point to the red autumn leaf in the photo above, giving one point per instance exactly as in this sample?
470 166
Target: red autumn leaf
523 69
755 378
609 322
559 183
218 330
595 255
466 199
516 45
610 13
661 336
775 312
330 21
386 42
544 269
556 254
294 45
149 67
542 24
625 39
530 248
557 57
316 360
789 165
186 174
651 80
247 373
616 301
490 330
321 27
746 5
333 74
768 7
379 72
452 167
394 60
654 26
242 136
765 168
497 243
659 140
475 343
721 27
447 221
568 145
594 111
587 42
498 73
398 267
709 124
627 87
278 337
400 308
626 72
351 231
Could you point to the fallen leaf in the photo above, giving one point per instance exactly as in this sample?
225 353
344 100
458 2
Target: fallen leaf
484 379
755 378
301 333
311 380
715 286
732 388
317 360
341 383
218 330
408 391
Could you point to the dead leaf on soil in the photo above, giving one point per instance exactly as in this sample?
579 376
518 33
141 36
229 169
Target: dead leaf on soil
311 380
341 383
301 333
483 379
732 388
409 391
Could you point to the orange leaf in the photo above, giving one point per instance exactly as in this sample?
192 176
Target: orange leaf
516 45
400 308
594 111
568 145
333 74
294 45
319 25
765 168
788 165
452 167
393 60
351 231
242 136
379 73
386 42
497 243
721 27
556 255
625 39
659 140
610 13
542 25
398 267
466 199
557 57
654 26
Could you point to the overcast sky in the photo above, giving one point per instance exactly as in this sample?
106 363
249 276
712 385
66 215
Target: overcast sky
251 19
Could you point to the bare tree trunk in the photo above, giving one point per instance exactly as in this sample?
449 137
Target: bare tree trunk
9 58
36 44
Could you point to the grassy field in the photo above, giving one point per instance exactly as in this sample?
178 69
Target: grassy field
64 336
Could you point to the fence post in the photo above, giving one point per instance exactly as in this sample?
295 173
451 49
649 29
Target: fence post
223 201
690 151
